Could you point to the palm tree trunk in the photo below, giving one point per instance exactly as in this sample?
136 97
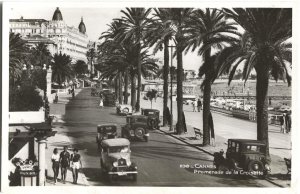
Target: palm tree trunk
262 85
116 88
139 67
133 91
206 110
166 85
180 124
126 87
206 105
120 89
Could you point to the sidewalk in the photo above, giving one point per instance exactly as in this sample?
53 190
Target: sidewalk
59 141
278 168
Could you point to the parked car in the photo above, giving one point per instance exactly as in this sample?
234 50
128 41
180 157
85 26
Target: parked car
153 118
136 128
115 159
105 131
244 154
124 109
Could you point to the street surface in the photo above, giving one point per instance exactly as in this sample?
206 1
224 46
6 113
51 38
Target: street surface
159 160
231 127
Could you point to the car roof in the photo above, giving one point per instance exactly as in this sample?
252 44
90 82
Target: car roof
138 116
116 142
107 125
248 141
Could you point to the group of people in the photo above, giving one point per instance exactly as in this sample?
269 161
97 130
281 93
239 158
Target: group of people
285 122
64 160
197 104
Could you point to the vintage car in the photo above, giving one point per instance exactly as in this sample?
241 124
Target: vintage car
244 154
136 128
124 109
115 159
105 131
153 117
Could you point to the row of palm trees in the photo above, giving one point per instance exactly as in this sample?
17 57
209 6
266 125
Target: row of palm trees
254 39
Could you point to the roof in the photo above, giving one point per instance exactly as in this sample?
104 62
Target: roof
107 125
81 27
57 16
116 142
248 141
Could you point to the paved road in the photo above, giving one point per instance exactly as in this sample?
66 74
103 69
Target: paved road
231 127
158 160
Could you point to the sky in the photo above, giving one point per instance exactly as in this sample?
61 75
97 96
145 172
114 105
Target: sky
95 19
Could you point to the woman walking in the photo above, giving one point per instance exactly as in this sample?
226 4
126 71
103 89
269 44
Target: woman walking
55 164
76 165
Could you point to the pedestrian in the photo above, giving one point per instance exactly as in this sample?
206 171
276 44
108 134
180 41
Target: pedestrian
287 123
199 104
282 120
194 105
101 102
64 161
211 128
73 93
55 164
76 165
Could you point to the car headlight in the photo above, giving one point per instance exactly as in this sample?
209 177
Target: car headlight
129 163
115 164
267 167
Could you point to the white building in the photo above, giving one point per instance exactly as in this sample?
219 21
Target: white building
56 33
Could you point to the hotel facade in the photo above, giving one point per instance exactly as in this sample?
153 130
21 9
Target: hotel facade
55 33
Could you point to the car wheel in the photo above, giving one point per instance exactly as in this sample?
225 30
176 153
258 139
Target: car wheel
131 132
125 111
254 165
134 177
139 132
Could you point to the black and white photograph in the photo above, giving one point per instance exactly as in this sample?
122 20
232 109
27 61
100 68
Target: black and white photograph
145 96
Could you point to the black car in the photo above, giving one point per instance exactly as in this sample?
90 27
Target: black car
136 128
105 131
153 117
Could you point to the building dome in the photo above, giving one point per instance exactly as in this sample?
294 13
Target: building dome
57 16
81 27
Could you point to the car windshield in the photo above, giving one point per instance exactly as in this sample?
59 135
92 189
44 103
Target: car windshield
119 149
254 148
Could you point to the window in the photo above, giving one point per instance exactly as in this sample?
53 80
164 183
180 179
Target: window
237 147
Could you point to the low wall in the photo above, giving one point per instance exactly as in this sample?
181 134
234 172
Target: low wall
26 117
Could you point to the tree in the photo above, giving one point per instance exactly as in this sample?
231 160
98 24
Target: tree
61 68
265 48
159 33
208 30
134 24
151 95
18 51
40 55
24 98
91 55
80 67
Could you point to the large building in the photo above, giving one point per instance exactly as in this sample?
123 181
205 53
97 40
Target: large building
56 33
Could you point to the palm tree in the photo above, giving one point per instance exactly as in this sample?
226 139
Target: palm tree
179 18
61 68
265 48
18 52
208 30
91 55
41 55
134 24
159 33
